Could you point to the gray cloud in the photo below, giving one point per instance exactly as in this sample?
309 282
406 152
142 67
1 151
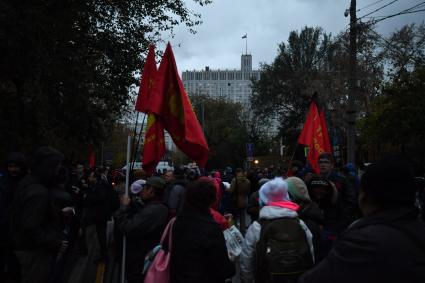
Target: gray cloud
218 41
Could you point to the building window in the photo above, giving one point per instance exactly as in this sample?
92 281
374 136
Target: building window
214 76
238 75
198 76
222 75
231 76
206 75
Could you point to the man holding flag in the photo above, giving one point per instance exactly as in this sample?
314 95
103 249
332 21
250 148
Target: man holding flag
315 135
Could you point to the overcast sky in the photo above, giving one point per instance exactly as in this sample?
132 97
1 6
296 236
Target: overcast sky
218 43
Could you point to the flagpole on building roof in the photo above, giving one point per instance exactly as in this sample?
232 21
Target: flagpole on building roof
246 43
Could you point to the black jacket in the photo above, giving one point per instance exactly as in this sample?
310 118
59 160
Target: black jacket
97 203
347 200
388 246
143 228
312 216
199 252
35 223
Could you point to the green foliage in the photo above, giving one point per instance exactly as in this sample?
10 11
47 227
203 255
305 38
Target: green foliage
286 85
398 113
67 70
226 131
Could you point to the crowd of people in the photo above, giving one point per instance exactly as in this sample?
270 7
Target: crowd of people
298 226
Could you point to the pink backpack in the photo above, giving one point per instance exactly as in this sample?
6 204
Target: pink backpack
159 271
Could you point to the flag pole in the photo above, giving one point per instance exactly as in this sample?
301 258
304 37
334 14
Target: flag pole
127 182
138 138
132 145
246 44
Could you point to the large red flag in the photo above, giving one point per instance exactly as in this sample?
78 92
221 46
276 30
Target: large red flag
146 82
175 110
313 136
327 143
154 145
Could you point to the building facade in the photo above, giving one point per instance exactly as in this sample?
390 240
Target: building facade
232 85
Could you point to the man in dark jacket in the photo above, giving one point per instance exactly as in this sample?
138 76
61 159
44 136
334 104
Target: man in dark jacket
144 228
199 252
34 221
347 193
388 243
240 188
16 169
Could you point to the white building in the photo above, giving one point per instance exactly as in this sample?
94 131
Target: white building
234 85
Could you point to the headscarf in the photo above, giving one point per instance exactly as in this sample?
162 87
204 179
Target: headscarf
298 189
275 193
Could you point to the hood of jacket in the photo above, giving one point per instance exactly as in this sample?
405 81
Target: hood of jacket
273 212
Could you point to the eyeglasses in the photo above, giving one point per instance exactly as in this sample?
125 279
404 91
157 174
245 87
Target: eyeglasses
324 162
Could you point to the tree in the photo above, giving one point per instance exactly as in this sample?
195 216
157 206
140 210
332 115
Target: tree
396 118
286 86
226 131
67 69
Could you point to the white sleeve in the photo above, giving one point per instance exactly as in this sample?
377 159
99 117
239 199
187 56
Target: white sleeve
309 237
247 257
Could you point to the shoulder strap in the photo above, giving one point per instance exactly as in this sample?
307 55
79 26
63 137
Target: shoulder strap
168 233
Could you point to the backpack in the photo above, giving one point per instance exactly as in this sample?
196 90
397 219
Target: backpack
282 253
158 270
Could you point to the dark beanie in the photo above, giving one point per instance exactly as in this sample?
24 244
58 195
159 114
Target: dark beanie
390 181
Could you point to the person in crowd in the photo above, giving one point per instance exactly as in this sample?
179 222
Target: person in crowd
169 180
279 247
218 217
326 196
174 191
346 191
388 243
168 177
35 226
296 169
253 208
97 209
16 169
217 177
350 173
309 211
240 188
69 226
144 227
199 252
228 175
77 187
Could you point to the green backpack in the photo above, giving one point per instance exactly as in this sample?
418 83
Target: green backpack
282 253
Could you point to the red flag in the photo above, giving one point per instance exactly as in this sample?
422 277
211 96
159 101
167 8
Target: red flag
92 159
307 132
154 145
175 110
327 144
313 136
146 82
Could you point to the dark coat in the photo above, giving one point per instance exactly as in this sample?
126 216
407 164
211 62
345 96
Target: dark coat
312 216
143 228
35 223
97 204
347 200
199 252
388 246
